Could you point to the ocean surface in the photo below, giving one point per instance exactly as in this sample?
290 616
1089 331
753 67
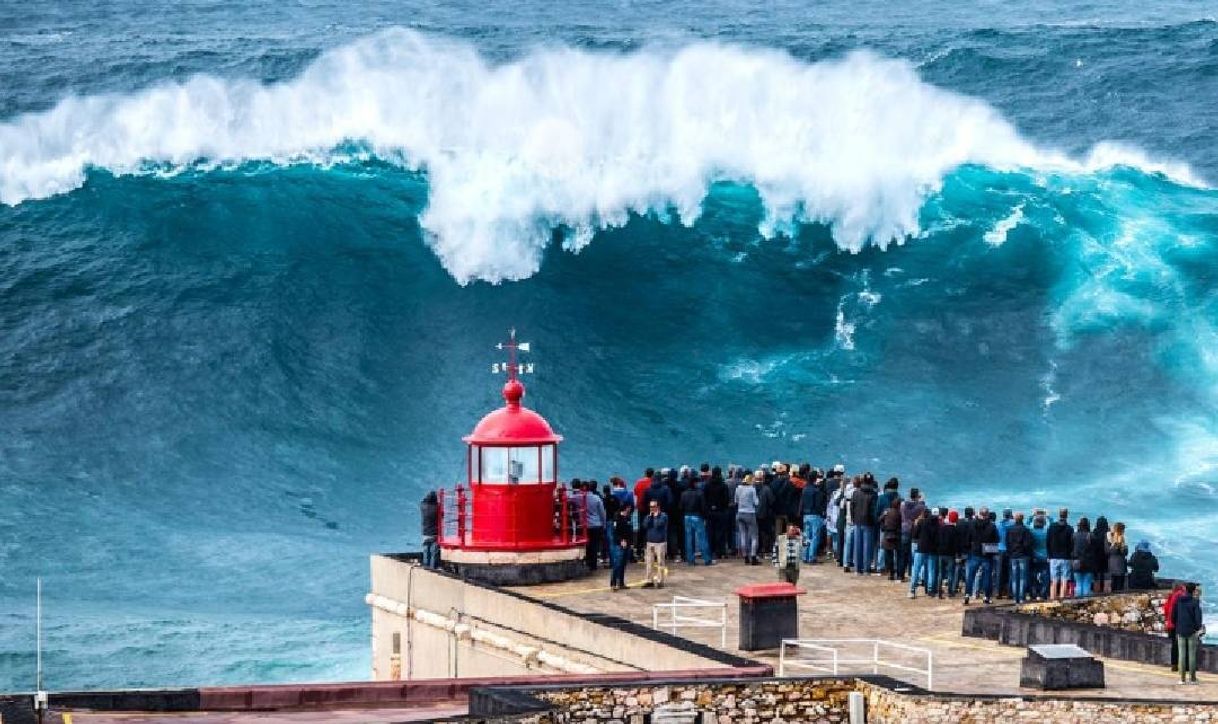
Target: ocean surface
254 258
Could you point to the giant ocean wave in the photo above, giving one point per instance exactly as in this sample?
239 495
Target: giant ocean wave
564 138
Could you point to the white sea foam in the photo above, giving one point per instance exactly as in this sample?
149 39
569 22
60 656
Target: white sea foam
561 136
997 236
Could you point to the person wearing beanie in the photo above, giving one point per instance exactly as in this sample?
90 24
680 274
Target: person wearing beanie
1142 567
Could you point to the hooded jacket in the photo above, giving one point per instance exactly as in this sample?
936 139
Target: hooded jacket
862 506
926 535
1142 569
1186 615
1060 541
429 509
981 532
910 510
948 541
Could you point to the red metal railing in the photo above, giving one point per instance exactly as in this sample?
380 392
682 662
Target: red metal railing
462 526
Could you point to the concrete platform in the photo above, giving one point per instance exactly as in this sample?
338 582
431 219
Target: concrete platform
841 605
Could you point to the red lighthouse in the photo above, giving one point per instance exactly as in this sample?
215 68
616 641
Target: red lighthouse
513 523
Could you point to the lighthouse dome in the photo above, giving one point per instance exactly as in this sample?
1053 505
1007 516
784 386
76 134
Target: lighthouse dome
512 424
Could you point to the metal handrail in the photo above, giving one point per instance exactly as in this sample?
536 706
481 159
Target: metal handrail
677 620
836 661
455 517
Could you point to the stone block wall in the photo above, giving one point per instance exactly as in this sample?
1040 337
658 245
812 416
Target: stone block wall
824 701
1141 612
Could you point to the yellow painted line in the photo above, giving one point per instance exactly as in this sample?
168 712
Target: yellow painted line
580 591
67 718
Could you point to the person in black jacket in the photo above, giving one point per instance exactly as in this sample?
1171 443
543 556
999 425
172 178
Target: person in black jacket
620 539
693 509
1060 544
717 506
890 536
925 541
1019 556
429 511
1083 572
812 506
862 514
1190 628
1097 552
948 547
982 545
1142 567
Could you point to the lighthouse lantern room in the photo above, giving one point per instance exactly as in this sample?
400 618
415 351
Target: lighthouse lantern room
513 523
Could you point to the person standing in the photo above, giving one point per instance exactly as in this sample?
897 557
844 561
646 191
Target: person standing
1038 583
429 511
1060 546
1001 569
1142 567
593 509
848 512
1019 556
655 533
786 555
693 509
910 511
1084 571
620 541
890 537
765 512
925 553
862 512
947 573
1118 564
982 546
1186 615
717 504
1169 608
883 502
746 521
813 504
1097 551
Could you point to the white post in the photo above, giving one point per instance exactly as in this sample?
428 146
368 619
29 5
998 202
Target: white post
782 659
723 627
875 657
930 669
835 662
40 696
857 707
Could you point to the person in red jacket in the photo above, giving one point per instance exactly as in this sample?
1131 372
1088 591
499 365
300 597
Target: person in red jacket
640 489
1168 605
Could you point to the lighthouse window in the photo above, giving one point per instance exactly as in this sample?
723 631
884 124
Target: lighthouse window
510 465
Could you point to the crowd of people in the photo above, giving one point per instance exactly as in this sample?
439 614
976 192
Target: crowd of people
799 515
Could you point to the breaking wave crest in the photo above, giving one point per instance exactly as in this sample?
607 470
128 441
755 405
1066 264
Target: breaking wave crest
562 138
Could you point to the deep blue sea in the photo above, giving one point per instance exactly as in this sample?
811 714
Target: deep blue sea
254 257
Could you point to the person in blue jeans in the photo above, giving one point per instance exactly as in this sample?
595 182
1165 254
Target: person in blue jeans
1084 572
925 534
812 505
429 510
982 547
1019 555
862 514
693 506
620 539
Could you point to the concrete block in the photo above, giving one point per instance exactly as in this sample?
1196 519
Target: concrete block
1055 667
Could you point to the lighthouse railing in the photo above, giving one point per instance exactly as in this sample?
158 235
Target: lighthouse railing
458 525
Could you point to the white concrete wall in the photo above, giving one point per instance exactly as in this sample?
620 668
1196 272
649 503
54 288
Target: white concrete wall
450 629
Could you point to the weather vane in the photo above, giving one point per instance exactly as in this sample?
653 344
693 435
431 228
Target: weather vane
512 367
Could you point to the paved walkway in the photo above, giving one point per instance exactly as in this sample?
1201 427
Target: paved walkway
841 605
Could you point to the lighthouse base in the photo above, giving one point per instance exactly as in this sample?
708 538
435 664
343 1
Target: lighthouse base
510 568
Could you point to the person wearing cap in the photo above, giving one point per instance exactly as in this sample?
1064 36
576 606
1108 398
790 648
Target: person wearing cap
911 509
786 554
1142 567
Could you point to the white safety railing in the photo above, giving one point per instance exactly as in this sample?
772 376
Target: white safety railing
677 615
831 660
